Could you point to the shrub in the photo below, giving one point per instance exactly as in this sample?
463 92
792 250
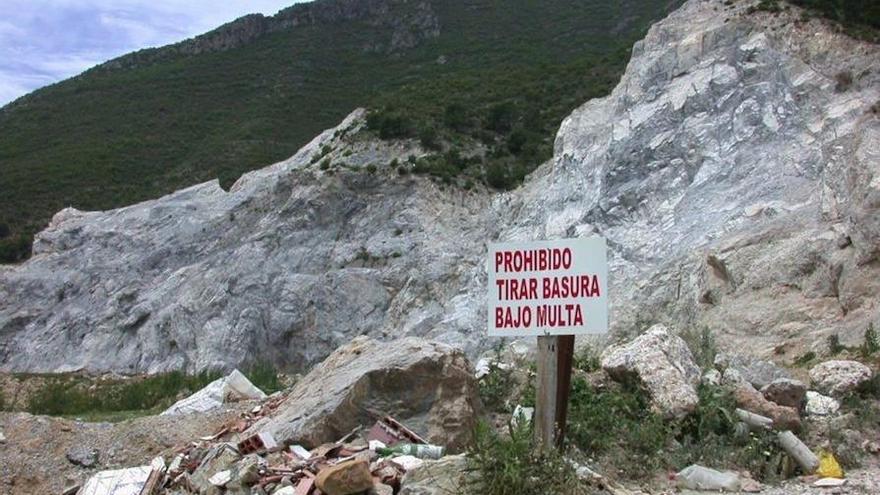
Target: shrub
501 117
325 165
587 359
371 168
496 386
513 465
389 125
455 116
428 137
497 175
872 342
14 249
4 230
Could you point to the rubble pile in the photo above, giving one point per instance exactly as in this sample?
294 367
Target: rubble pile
281 446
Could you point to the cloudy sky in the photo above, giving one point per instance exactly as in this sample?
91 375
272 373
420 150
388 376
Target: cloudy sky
44 41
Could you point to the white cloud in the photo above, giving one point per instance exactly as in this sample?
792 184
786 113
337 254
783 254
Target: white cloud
45 41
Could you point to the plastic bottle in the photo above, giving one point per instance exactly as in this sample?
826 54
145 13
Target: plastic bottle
697 477
422 451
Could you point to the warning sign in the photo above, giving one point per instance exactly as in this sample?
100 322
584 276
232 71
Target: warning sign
548 288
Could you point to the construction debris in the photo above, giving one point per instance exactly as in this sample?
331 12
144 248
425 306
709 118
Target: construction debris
233 387
131 481
345 478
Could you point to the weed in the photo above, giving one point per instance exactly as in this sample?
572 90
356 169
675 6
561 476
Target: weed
805 359
702 345
325 165
513 465
371 168
834 345
496 386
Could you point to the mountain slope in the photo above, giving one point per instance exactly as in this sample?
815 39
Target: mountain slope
257 89
736 182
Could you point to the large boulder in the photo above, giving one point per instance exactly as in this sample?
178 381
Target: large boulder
664 364
428 386
838 378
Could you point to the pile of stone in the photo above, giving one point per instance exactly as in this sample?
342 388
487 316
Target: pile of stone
339 431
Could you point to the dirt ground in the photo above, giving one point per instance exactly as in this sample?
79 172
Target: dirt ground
33 460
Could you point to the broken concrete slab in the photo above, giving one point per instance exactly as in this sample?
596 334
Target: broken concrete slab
117 482
232 387
427 385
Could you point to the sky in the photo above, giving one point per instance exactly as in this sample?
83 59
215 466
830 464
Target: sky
45 41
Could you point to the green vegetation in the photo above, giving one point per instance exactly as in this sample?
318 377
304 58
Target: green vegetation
871 345
119 399
834 345
510 72
859 18
495 387
512 465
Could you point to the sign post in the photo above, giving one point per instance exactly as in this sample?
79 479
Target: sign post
553 290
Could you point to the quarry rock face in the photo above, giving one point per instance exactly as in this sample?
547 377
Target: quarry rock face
426 385
737 184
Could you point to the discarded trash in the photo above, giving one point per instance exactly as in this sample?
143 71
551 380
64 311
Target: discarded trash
828 465
234 386
697 477
2 437
407 462
522 415
390 431
117 482
221 478
375 445
301 452
829 482
261 442
422 451
802 454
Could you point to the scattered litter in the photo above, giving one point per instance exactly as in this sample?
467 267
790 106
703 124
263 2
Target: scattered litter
221 478
234 386
375 445
829 482
301 452
422 451
522 415
259 443
407 462
2 437
390 432
117 482
754 421
696 477
828 465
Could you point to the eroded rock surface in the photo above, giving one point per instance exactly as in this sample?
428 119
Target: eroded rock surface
736 184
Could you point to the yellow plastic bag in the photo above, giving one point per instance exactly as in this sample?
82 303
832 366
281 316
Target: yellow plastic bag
828 465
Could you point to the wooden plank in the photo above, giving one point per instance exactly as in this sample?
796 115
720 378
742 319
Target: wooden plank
546 400
565 358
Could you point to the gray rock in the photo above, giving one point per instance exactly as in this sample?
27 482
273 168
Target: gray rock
786 392
711 377
447 475
757 372
83 456
428 386
837 378
664 364
820 405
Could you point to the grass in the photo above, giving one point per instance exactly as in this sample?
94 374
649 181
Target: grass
115 136
702 345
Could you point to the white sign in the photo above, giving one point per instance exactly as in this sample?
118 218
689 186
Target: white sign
548 288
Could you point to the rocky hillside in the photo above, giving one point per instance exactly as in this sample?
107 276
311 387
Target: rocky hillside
254 91
733 172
